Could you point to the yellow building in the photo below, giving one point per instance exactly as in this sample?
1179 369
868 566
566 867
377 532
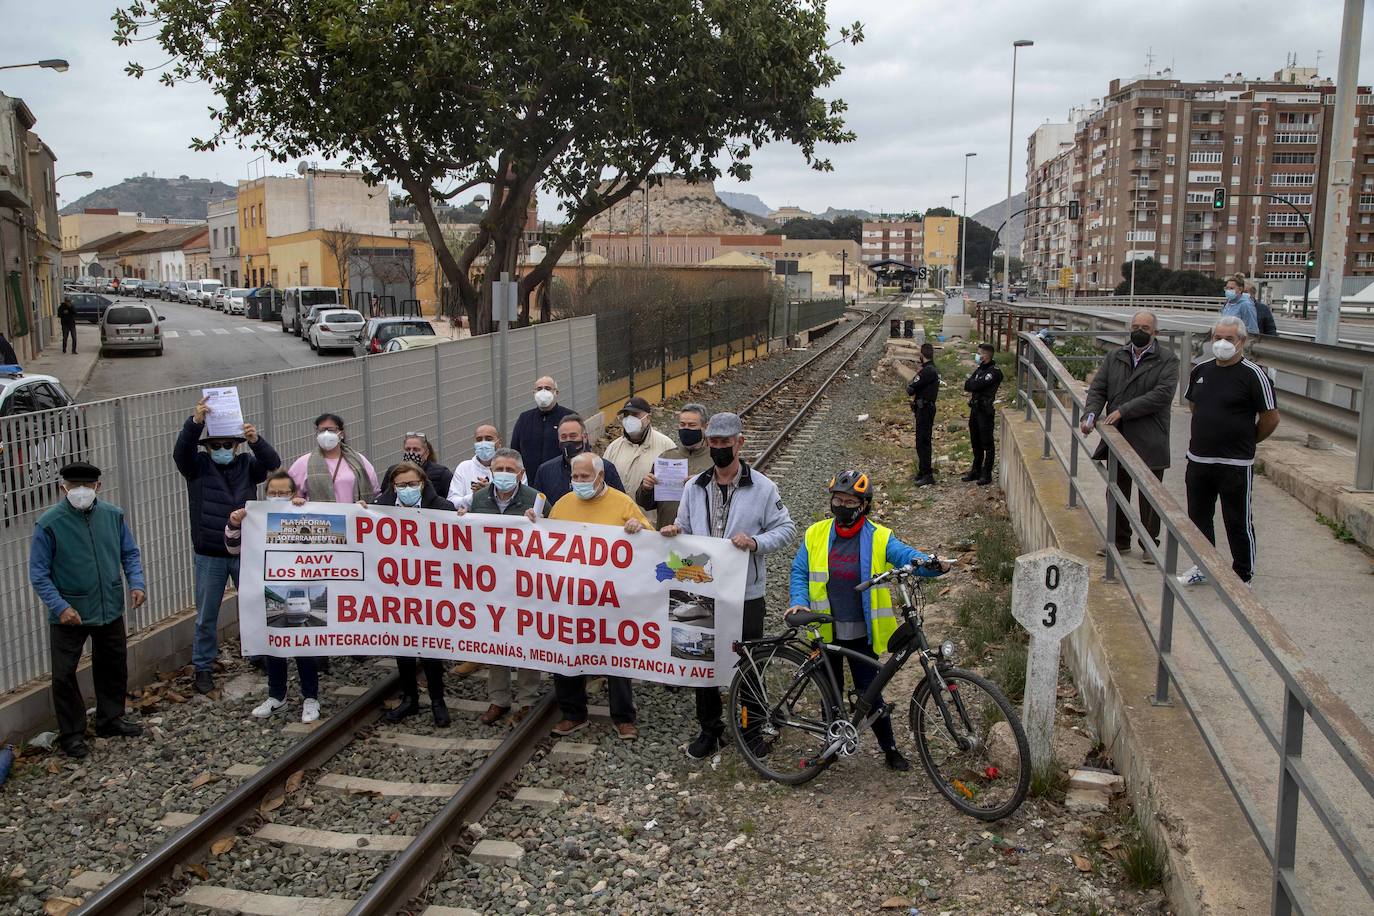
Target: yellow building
942 249
380 264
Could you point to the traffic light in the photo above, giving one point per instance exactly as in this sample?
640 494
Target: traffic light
1219 199
1311 259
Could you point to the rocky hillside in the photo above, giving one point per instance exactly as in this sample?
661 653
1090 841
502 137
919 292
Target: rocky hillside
178 198
992 217
677 207
749 203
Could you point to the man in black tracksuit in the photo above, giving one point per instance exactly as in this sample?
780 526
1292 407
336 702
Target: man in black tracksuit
982 386
923 389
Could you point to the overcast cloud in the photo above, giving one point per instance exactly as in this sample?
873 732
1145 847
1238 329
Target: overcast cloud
930 82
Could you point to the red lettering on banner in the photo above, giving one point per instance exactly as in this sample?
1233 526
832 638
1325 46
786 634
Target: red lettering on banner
583 630
496 614
565 589
523 620
652 640
468 577
346 610
622 554
404 571
555 551
513 538
387 530
450 537
362 527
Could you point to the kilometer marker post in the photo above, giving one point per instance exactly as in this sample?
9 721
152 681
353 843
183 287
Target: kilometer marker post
1049 597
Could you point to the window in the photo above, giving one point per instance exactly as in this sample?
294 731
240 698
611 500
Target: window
1204 157
214 238
1235 160
1263 120
1168 199
1199 197
1291 180
1283 219
1200 177
1299 158
1285 257
1297 200
1295 138
305 275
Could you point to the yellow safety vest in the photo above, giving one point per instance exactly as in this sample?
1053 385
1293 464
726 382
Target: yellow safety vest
882 621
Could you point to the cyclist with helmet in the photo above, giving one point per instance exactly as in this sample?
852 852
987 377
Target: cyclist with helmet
836 555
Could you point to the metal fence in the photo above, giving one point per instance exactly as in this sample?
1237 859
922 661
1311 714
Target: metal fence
797 315
444 391
1321 771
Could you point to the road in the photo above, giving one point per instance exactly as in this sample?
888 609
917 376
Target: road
202 346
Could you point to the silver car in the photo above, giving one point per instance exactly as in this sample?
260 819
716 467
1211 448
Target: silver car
131 327
335 329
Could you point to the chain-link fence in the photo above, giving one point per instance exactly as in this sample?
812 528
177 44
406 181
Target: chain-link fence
801 314
444 391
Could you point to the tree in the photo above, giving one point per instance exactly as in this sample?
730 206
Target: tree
847 227
1153 279
341 244
583 101
979 245
805 227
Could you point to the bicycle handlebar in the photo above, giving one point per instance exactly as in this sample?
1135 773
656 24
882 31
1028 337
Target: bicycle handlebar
910 569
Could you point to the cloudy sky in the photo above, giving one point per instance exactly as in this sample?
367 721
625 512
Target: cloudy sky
930 83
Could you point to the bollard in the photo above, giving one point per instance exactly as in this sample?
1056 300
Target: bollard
895 328
1049 597
908 328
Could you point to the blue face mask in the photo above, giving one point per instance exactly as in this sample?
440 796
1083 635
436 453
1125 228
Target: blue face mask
408 496
1231 295
221 455
584 490
505 481
485 450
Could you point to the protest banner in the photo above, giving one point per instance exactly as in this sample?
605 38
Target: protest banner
570 598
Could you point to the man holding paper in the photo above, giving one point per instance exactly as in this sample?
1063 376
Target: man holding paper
635 452
687 460
219 479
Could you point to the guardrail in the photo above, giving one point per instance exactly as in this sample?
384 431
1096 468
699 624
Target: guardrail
1051 396
444 391
1324 387
1291 304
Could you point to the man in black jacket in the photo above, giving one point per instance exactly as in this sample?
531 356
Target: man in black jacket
1133 390
66 314
219 479
535 435
981 386
923 389
553 478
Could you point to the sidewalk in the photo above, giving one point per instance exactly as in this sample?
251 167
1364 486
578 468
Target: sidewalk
72 371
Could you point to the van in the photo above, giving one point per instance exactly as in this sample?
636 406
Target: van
205 292
299 300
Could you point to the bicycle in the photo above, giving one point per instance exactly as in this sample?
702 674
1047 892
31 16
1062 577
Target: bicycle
788 721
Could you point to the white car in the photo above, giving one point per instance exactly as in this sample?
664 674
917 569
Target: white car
335 329
205 291
412 342
234 301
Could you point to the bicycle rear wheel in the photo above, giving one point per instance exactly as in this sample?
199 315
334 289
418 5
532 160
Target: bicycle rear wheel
979 759
779 720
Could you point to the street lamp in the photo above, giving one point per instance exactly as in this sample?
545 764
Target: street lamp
55 63
81 174
1016 46
963 225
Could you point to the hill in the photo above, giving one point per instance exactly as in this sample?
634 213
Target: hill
678 207
749 203
992 217
178 198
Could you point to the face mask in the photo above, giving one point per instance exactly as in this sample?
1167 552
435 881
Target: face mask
328 440
1140 339
846 516
722 457
1231 295
81 497
412 455
544 399
584 490
408 496
633 426
571 449
279 499
690 438
221 455
485 450
505 481
1223 349
977 359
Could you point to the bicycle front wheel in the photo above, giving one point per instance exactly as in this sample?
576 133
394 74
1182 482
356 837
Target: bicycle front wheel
972 744
780 718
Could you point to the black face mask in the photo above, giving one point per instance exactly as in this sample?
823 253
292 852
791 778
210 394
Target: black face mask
723 457
571 449
690 438
846 516
1140 338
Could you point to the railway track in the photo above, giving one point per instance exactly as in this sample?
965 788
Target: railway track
777 417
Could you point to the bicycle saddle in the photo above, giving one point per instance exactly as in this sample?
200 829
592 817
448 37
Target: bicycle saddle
804 618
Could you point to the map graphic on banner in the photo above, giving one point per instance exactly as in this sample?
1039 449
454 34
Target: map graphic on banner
564 597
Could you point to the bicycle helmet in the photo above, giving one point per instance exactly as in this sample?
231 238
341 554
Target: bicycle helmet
853 483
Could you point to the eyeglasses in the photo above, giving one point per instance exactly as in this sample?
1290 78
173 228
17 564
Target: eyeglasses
417 436
220 443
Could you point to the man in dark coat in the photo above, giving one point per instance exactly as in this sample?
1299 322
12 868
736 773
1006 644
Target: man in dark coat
1133 391
535 435
66 314
554 477
924 389
982 385
219 479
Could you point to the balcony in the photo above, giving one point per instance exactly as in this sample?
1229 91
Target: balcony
1205 141
1145 186
1193 258
1148 123
1146 162
1197 222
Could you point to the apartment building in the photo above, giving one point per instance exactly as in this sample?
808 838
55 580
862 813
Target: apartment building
222 218
30 237
894 239
98 224
1145 159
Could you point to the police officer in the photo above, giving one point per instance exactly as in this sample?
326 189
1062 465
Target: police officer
923 389
981 386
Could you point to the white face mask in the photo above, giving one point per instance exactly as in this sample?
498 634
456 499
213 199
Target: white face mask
1223 349
279 499
81 497
633 426
543 398
328 440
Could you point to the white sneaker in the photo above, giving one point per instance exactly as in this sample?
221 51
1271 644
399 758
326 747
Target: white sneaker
1193 576
268 707
310 711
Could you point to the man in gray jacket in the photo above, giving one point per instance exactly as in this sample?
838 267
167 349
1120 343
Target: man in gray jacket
732 500
1133 391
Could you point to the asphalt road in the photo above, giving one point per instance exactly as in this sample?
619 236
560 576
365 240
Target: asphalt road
201 346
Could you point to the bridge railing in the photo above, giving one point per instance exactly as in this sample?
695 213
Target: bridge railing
1055 401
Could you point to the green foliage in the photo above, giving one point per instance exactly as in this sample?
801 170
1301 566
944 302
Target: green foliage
1338 529
1009 670
1153 279
985 617
1050 781
582 101
1142 860
997 550
841 227
1077 346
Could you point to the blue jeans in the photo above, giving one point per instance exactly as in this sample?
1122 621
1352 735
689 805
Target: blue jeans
212 574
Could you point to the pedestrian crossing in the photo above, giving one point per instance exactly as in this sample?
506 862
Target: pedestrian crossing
242 329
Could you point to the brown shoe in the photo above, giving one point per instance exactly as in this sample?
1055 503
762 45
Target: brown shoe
567 727
493 714
627 731
519 715
466 668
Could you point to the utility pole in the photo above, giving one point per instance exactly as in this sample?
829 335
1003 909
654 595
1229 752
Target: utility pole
1011 143
1340 172
644 192
963 225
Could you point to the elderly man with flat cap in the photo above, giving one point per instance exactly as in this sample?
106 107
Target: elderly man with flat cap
80 548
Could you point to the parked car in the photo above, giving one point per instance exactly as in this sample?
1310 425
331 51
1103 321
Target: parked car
298 301
312 316
411 342
205 292
152 289
235 301
131 327
90 306
335 329
379 332
172 290
34 444
130 286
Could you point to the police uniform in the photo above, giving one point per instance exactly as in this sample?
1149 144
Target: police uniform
982 385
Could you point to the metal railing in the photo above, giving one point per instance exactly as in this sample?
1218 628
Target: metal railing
795 315
444 391
1324 387
1050 396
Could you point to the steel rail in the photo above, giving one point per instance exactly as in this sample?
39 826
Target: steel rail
749 408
